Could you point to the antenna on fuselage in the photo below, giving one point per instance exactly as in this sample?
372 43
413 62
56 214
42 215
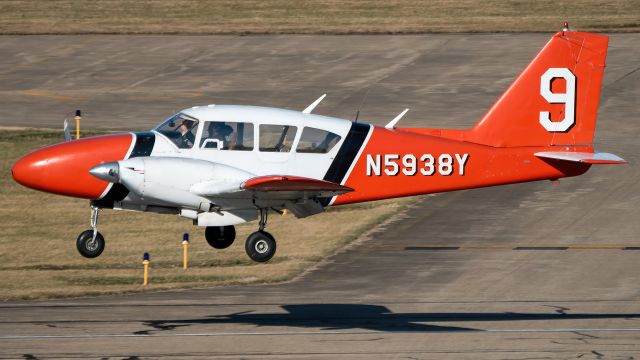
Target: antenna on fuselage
364 98
313 105
392 123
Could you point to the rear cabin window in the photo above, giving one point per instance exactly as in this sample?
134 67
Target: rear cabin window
317 141
222 135
277 138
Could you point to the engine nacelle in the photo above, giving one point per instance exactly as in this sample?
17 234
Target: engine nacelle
179 182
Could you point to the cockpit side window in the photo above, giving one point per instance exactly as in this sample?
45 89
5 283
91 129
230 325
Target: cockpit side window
317 141
223 135
180 129
277 138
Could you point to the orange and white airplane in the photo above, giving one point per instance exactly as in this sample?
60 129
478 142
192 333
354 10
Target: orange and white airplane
222 165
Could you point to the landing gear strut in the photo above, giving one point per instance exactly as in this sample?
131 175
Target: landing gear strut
220 237
260 245
90 242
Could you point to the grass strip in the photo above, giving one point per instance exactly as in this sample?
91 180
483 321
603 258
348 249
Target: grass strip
312 17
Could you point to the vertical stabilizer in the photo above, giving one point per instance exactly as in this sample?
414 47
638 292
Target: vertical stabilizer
554 101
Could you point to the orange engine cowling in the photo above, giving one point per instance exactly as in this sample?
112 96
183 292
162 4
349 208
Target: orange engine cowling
64 168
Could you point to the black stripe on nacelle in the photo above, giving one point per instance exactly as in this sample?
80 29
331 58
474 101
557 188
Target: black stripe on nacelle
143 147
346 155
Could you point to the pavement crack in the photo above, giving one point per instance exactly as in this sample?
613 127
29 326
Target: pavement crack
623 77
586 335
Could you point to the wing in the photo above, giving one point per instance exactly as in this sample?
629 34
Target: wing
297 194
279 183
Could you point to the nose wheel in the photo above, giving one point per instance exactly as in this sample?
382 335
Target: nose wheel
260 245
88 246
90 242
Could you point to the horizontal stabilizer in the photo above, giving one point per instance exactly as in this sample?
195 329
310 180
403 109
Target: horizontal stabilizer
293 183
583 157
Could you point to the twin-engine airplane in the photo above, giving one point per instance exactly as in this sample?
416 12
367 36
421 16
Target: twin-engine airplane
224 165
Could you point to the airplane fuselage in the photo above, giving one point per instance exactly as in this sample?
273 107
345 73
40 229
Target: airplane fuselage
222 165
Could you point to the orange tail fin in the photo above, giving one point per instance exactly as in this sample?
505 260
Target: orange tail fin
555 99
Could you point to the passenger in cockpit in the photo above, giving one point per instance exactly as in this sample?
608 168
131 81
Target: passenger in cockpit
221 132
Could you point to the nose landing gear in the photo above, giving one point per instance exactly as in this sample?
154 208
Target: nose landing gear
90 242
260 245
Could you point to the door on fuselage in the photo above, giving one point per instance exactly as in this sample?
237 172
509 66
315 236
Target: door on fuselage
275 144
314 152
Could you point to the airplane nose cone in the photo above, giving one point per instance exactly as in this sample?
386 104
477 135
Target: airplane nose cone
64 168
108 172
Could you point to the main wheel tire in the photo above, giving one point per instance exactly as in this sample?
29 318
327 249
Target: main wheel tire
260 246
87 246
220 237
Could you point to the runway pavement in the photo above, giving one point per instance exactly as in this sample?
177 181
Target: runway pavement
538 270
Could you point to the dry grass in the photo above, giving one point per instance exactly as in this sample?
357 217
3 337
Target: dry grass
283 16
37 243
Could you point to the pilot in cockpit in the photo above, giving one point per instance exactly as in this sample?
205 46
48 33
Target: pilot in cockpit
187 138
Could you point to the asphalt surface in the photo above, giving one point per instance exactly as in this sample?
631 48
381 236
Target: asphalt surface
537 270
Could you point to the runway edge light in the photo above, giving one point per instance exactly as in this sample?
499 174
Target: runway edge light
145 263
78 117
185 247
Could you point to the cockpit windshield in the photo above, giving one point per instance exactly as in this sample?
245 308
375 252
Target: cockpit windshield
181 129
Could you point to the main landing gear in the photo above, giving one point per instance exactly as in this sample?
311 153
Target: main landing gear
220 237
260 245
90 242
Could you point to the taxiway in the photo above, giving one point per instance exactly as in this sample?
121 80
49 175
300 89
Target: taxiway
536 270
